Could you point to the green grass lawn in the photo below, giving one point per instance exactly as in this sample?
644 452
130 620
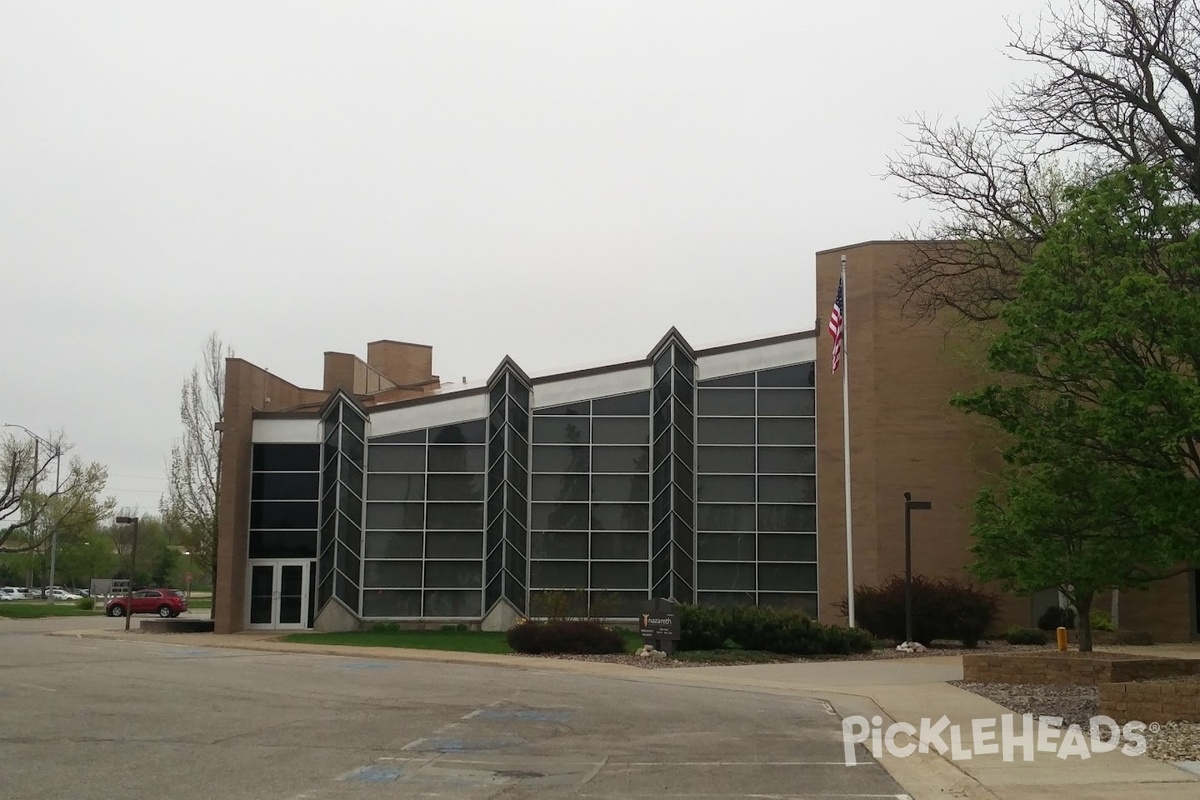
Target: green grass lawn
455 640
36 609
199 603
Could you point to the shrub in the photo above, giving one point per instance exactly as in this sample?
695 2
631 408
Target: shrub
385 627
941 609
86 604
1019 635
766 629
702 627
564 636
1056 617
1101 621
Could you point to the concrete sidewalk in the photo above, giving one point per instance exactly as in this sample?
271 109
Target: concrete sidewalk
902 690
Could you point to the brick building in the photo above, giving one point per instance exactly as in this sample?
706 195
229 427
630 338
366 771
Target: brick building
709 475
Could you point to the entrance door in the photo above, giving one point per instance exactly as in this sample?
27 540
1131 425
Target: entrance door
278 592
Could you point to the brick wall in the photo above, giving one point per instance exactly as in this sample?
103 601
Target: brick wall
1151 701
1072 668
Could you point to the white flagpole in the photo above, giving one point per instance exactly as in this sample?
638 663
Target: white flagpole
846 445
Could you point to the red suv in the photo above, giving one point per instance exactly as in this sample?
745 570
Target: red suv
164 602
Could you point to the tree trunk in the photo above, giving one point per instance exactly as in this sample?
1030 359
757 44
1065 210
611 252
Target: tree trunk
1083 605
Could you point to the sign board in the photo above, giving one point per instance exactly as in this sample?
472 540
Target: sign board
659 623
188 579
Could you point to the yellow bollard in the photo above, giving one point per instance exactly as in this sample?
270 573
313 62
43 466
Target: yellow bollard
1062 640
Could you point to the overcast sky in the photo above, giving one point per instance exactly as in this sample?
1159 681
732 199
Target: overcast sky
559 181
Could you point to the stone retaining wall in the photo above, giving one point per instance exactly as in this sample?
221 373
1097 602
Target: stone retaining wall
1072 668
1151 701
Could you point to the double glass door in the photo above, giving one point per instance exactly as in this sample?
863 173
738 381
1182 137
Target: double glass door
279 594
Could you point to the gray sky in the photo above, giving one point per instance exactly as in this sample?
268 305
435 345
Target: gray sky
560 181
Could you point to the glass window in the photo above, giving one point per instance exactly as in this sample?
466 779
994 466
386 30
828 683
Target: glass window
801 460
453 604
627 430
713 517
284 485
620 488
787 489
455 487
519 391
787 547
410 437
607 604
572 410
283 544
725 488
378 603
393 545
350 475
453 574
786 402
786 431
353 448
620 459
395 458
557 575
620 575
395 516
473 432
560 516
454 516
745 379
456 458
734 460
806 603
787 518
457 544
560 487
725 546
287 457
662 364
725 431
726 403
283 514
561 430
395 487
558 544
628 546
392 574
636 404
725 599
621 517
725 576
787 577
796 376
550 458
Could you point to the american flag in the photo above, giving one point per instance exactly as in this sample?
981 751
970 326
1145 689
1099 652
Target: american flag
837 328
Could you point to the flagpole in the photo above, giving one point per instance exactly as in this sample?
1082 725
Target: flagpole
846 445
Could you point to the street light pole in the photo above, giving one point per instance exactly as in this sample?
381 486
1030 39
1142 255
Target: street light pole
132 565
909 506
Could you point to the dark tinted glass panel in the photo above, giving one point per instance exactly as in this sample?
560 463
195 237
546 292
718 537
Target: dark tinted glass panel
636 404
620 575
796 602
396 458
684 364
285 485
560 487
787 577
350 475
557 575
787 489
786 431
560 516
454 516
353 448
519 392
787 547
801 460
745 379
621 431
558 544
395 516
662 364
726 403
626 546
287 457
393 545
455 487
377 603
395 487
456 458
283 514
549 458
786 402
350 505
411 437
787 518
724 547
621 516
572 410
618 604
620 459
796 376
725 576
620 488
725 517
725 599
353 420
392 574
735 460
725 488
458 544
725 431
454 574
462 433
561 430
684 391
453 604
518 419
662 393
283 544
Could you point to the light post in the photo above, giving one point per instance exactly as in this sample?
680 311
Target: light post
37 440
132 565
910 505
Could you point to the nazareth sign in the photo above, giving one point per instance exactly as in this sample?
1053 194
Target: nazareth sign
660 621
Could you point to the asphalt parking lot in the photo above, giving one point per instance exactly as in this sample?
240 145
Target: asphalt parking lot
84 717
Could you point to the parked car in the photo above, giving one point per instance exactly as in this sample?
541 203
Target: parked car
63 594
11 593
164 602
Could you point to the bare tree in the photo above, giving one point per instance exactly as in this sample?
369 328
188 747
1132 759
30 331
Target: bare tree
194 472
1117 85
39 493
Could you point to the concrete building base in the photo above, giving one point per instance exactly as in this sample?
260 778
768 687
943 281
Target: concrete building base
336 617
501 617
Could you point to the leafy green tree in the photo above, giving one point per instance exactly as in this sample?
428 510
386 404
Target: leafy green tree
1096 382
